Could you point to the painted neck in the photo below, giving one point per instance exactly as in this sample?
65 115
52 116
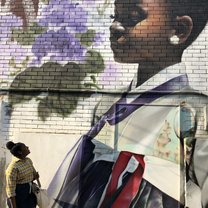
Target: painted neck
148 69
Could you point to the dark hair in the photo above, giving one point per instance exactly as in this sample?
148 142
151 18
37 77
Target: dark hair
197 10
15 148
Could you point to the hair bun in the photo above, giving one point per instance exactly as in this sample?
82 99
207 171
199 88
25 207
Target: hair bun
10 145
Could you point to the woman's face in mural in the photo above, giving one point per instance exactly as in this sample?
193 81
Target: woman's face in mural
140 30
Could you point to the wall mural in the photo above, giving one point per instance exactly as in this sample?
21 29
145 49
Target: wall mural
58 43
153 155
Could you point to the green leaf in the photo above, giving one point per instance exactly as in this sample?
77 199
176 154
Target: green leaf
45 1
12 63
93 78
94 61
15 73
25 62
78 35
55 104
43 109
27 37
87 38
92 85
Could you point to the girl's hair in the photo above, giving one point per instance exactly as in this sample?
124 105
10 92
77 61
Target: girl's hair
15 148
197 10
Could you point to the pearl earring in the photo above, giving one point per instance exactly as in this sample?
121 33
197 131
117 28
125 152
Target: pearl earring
174 40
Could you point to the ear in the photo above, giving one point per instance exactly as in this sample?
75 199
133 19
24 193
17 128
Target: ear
184 28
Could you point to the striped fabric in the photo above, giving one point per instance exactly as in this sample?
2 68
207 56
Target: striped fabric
18 172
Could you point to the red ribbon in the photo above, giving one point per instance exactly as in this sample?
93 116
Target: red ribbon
132 186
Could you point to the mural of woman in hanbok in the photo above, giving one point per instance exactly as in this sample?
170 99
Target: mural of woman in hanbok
148 158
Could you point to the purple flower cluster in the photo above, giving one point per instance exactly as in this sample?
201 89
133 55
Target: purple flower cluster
64 20
61 45
9 48
63 13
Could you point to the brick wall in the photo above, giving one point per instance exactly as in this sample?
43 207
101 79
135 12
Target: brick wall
56 65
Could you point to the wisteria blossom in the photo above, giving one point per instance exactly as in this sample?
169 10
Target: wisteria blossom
64 20
63 14
59 45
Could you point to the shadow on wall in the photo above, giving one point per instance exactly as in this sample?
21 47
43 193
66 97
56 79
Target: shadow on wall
53 78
